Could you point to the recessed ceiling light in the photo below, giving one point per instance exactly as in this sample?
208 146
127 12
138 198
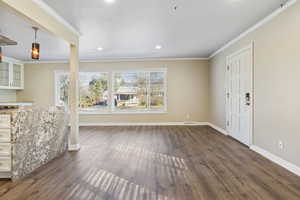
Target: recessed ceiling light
158 47
99 48
109 1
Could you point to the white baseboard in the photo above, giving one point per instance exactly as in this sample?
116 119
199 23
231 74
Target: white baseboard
147 124
223 131
74 147
158 124
283 163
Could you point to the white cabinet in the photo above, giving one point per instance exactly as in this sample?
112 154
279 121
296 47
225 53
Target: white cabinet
11 74
4 74
5 146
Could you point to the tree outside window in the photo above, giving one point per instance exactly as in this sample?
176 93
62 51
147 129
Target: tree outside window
131 91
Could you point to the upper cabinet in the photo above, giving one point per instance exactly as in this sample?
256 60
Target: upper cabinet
4 74
11 74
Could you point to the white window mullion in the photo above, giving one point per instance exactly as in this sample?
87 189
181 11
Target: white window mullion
112 92
148 90
165 92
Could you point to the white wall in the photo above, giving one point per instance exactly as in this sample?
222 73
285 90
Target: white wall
276 84
7 95
187 90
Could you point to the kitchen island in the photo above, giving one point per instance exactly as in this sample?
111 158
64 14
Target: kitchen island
30 137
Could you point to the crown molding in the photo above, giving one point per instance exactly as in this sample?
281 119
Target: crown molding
116 60
255 27
12 59
145 59
47 62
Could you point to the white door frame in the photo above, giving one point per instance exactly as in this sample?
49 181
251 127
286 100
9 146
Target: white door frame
251 47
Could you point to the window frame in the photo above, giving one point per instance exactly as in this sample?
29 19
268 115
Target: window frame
148 110
57 74
108 110
111 107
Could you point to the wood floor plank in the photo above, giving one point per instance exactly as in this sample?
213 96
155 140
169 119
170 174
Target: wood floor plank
156 163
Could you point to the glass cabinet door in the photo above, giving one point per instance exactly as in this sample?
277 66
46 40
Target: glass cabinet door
17 76
4 74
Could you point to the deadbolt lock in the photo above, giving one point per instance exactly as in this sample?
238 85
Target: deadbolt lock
248 99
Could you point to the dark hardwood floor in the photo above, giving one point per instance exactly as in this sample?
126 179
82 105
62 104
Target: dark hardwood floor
156 163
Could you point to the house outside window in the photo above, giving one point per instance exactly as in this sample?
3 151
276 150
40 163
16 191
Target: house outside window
130 91
116 92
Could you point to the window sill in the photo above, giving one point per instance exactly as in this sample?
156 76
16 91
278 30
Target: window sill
123 113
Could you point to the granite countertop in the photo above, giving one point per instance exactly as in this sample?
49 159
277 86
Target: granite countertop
39 134
8 111
13 106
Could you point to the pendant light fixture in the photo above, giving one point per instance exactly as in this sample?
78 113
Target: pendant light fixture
35 51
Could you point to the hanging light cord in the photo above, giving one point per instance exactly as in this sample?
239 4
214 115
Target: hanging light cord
35 36
35 33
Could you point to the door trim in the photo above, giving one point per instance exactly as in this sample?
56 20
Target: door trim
251 47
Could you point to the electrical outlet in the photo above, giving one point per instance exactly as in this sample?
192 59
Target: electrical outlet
280 145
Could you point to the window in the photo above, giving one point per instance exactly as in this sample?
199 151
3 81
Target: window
93 92
130 92
61 88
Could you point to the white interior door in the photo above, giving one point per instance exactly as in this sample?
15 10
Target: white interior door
239 95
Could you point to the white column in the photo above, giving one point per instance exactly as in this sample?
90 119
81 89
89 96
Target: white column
74 144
